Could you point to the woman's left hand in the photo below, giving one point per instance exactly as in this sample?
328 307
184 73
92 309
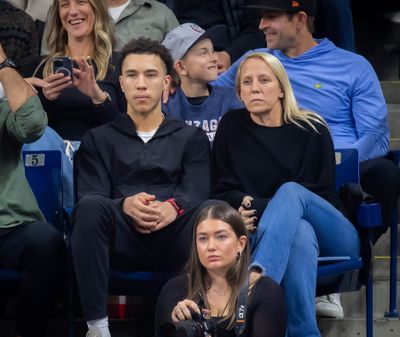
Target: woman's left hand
84 79
248 215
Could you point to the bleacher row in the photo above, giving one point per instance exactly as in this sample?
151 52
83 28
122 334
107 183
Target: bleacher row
339 274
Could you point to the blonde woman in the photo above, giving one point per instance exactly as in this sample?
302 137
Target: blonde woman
216 271
275 164
91 96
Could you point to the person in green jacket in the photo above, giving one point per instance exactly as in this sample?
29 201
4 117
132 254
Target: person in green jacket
138 18
27 242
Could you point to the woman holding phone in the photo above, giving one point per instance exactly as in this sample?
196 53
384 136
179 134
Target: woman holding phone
79 41
211 287
275 163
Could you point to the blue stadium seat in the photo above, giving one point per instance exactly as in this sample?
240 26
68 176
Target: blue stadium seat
43 169
344 273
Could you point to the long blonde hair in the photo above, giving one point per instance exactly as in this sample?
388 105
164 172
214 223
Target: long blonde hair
197 273
57 38
292 114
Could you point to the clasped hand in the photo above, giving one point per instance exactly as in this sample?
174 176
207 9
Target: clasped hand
148 214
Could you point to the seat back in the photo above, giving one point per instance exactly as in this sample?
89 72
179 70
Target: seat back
337 274
347 167
43 170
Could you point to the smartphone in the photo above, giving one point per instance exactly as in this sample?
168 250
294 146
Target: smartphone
62 64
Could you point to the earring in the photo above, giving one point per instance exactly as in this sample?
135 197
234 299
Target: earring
238 255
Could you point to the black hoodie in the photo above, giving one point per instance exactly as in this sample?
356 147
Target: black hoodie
114 162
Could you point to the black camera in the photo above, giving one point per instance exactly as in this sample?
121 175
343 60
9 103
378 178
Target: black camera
196 327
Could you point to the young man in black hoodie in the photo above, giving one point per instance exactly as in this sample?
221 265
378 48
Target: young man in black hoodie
140 181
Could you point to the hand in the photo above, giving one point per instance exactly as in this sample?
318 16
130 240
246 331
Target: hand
36 82
85 80
167 213
144 216
56 83
223 61
181 311
3 55
248 214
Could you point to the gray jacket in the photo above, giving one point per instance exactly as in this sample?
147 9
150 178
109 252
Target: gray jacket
144 18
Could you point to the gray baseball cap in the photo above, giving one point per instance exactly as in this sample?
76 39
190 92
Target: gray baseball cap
179 40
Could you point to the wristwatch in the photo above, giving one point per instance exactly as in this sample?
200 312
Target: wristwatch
7 63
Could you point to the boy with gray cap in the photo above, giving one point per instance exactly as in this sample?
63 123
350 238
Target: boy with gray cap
195 62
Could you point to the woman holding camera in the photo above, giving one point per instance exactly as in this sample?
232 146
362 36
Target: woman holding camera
90 95
275 163
207 296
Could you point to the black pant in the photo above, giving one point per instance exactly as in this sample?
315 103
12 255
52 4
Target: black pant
103 233
37 249
381 178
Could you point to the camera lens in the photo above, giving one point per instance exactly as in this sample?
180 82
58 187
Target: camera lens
182 329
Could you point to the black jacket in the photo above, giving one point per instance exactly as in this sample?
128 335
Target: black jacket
113 161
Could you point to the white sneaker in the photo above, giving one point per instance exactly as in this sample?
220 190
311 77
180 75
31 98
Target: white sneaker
95 331
329 306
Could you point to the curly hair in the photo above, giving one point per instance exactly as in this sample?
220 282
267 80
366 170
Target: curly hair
147 46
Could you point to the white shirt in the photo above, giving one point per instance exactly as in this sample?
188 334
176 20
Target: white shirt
115 12
146 136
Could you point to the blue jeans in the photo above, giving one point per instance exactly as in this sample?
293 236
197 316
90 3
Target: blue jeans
295 228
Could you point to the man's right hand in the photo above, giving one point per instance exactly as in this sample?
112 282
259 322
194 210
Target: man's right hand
144 216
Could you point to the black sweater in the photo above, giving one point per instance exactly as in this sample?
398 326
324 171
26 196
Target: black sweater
266 315
249 159
114 162
72 114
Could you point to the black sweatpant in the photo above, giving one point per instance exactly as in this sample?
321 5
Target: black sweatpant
37 249
380 177
102 232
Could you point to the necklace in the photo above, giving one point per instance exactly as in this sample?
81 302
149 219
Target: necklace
220 293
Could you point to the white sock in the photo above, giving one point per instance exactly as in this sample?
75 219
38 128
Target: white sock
101 325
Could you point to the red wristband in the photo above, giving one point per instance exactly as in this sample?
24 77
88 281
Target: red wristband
178 209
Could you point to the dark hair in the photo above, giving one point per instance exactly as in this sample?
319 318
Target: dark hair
148 47
310 21
197 274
